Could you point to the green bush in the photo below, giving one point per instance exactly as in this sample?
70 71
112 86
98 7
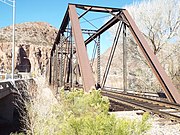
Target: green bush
88 115
79 113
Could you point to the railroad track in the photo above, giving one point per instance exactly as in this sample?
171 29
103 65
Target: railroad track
162 108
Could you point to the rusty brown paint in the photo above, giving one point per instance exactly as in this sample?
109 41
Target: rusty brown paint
97 8
169 89
87 75
105 27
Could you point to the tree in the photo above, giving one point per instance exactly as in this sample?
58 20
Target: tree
159 21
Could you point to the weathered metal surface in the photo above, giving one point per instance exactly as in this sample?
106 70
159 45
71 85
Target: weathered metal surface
169 89
97 8
147 104
56 67
98 61
124 59
66 63
50 71
105 27
83 61
111 55
87 76
61 64
85 12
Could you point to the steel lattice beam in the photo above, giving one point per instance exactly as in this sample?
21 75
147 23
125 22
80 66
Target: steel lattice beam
88 79
118 15
169 89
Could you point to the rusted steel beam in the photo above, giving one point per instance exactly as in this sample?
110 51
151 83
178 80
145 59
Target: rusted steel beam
64 22
169 89
56 67
66 59
53 69
105 27
124 59
98 61
87 75
84 12
50 70
97 8
111 55
61 63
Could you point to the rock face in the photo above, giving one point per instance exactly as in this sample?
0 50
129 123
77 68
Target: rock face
33 41
23 63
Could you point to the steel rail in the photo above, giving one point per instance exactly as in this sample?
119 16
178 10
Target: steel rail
144 104
154 101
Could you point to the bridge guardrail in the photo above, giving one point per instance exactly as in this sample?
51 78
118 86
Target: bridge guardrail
6 82
16 76
5 88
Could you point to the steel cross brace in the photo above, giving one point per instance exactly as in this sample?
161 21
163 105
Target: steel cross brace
168 87
121 15
87 75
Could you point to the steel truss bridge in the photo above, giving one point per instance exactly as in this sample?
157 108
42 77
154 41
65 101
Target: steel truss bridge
70 67
70 44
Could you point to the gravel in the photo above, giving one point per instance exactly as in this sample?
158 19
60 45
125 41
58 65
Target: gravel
160 126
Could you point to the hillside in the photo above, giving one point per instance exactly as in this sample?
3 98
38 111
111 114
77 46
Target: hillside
139 76
33 40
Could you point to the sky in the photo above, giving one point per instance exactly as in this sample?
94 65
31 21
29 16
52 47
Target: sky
51 11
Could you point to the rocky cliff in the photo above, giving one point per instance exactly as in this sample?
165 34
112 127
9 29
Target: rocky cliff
33 41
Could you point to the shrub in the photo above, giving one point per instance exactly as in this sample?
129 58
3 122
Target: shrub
79 113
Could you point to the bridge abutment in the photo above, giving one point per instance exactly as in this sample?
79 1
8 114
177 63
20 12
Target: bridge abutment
11 105
7 108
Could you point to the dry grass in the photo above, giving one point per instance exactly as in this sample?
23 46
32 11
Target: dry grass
76 113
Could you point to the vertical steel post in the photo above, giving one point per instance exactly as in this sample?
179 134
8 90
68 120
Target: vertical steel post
13 38
50 70
85 68
169 89
56 67
52 77
61 62
71 57
66 62
124 59
111 55
98 61
77 72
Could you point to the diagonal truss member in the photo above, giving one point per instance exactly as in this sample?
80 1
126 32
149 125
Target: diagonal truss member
119 15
